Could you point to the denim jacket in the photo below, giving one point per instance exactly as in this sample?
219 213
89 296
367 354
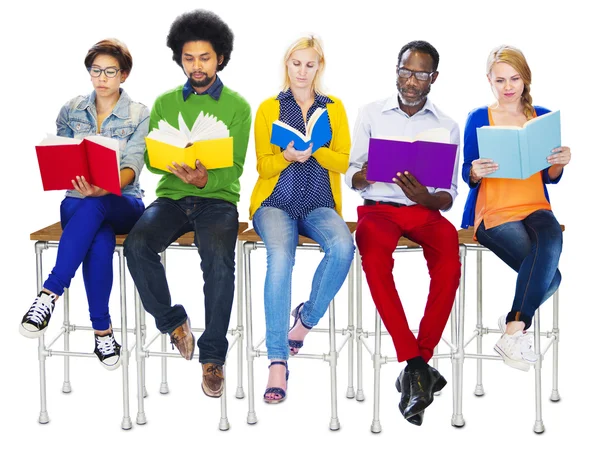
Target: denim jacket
128 123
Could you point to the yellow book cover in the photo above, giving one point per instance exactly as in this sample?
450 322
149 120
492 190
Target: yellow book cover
208 141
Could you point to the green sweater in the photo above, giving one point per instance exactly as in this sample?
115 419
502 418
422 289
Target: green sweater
231 109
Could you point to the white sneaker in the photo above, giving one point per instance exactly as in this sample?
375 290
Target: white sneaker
35 322
502 323
108 351
516 350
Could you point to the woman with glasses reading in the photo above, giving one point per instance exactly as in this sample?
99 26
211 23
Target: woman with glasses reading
90 216
298 193
513 217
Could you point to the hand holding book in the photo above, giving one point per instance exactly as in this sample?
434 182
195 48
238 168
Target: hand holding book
292 155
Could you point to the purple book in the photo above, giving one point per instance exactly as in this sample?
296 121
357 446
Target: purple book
432 163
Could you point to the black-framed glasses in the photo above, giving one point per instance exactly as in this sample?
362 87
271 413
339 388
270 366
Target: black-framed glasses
404 73
111 71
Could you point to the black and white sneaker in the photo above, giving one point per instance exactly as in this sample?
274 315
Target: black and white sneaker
35 322
108 351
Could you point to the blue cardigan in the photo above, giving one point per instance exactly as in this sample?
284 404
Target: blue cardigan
476 119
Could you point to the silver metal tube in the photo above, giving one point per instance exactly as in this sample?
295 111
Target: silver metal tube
479 385
376 424
360 394
126 423
239 391
66 388
164 386
139 358
555 396
334 423
538 427
224 422
350 390
43 417
248 247
459 358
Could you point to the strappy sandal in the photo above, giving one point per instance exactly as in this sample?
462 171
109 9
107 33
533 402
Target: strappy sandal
296 344
277 390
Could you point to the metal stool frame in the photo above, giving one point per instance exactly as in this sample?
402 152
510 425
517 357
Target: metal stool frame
251 242
44 350
143 345
467 243
404 246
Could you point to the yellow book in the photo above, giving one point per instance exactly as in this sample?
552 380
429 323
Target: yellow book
207 141
212 153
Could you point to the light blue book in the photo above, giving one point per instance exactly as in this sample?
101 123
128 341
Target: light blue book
318 132
520 152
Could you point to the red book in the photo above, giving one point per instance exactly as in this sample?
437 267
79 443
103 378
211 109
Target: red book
96 158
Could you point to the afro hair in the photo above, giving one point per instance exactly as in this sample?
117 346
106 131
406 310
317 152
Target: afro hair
201 25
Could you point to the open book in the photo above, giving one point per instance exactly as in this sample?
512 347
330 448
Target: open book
318 132
428 156
208 141
96 158
520 152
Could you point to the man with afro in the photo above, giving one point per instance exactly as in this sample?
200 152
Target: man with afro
195 199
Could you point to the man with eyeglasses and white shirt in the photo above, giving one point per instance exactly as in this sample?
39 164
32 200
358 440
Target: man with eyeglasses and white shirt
406 208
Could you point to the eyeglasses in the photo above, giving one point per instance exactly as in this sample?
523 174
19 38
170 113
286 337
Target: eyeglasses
403 73
111 71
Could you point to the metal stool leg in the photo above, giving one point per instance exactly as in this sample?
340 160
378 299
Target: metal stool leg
458 359
250 354
479 392
144 332
126 423
334 423
555 396
350 391
66 388
360 394
42 354
164 386
376 425
224 422
539 424
140 358
239 391
434 361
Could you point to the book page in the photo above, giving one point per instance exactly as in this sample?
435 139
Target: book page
53 139
206 127
441 135
313 119
169 135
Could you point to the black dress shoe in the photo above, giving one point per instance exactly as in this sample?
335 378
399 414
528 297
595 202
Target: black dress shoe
417 419
420 385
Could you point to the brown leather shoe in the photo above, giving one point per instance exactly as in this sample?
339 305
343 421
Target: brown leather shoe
212 379
183 338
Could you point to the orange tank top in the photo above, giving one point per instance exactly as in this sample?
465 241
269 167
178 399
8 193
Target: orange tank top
500 201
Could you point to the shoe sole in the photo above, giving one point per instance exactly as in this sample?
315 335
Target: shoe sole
112 367
29 334
523 366
210 393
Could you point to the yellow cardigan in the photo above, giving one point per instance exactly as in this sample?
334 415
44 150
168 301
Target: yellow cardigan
270 161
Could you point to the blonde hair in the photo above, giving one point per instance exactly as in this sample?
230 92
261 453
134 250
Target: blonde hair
306 42
515 58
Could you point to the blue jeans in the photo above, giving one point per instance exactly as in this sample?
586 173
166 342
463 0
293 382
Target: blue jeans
215 225
280 234
532 248
89 227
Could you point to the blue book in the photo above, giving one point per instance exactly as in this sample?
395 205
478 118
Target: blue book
318 132
520 152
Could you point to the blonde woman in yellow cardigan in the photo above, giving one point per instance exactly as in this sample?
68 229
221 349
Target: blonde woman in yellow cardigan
299 193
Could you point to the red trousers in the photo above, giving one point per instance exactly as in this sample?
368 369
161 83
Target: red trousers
378 231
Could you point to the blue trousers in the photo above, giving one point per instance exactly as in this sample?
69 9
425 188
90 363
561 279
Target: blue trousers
280 234
215 225
532 248
89 228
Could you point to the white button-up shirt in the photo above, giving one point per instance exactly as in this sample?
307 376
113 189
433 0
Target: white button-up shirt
385 118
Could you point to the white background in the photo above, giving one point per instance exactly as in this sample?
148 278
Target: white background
43 47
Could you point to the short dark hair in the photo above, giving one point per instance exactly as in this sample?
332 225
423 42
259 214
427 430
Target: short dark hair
114 48
201 25
425 48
